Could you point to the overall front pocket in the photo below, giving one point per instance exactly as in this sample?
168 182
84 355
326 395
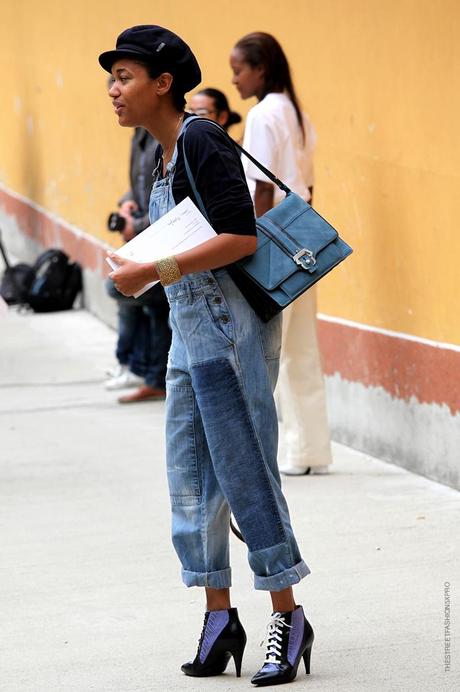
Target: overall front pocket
219 315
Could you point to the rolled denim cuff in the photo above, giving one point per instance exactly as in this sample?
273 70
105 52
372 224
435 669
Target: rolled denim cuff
214 580
282 580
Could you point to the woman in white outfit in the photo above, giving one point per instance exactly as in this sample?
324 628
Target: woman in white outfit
282 138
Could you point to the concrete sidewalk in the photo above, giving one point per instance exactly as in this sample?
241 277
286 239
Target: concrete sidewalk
90 586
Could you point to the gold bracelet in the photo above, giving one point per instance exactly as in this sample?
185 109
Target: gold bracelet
168 270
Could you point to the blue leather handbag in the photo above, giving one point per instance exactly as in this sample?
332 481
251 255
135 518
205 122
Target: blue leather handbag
295 246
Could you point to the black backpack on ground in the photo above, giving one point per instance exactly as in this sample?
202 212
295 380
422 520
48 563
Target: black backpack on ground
15 283
51 283
55 284
16 280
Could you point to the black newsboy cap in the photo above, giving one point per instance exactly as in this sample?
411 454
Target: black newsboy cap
158 47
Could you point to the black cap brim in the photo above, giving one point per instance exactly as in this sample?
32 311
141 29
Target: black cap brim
107 59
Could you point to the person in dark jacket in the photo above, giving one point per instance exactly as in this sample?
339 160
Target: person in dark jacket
144 336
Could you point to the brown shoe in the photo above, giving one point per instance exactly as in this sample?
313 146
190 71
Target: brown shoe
144 393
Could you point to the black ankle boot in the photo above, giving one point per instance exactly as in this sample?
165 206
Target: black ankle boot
222 637
289 638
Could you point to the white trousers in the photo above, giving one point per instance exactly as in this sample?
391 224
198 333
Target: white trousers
300 395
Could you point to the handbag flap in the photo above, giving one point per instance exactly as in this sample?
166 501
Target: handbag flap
283 231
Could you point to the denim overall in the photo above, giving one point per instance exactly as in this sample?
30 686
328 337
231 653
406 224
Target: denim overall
221 428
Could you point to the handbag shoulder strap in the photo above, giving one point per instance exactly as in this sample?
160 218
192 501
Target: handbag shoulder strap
264 170
188 170
276 181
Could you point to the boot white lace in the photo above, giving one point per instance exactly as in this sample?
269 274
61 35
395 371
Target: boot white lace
274 638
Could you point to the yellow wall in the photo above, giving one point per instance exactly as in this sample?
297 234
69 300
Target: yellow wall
379 79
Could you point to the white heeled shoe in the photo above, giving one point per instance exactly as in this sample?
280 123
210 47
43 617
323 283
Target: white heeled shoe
309 471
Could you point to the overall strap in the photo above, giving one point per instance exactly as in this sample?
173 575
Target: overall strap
183 129
172 164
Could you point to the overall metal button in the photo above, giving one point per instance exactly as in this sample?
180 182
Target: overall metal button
225 319
218 300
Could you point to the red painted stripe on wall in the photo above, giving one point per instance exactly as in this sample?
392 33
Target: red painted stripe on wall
403 367
49 231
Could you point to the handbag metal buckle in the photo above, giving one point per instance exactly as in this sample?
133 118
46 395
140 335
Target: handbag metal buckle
304 258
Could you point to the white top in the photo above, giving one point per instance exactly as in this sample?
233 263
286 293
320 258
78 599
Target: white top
273 136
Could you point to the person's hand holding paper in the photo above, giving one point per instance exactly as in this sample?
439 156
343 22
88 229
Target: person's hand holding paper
131 278
181 229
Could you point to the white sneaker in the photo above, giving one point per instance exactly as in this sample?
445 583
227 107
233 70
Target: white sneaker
124 380
309 471
115 370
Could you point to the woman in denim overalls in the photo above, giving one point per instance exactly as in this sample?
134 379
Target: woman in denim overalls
221 425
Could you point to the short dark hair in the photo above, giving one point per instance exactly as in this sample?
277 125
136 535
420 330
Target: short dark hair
221 105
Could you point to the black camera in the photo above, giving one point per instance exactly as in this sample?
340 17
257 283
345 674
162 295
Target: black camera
116 222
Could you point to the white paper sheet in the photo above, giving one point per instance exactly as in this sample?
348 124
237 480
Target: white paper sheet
182 228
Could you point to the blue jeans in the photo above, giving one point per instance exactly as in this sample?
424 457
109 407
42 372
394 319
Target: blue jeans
222 436
144 336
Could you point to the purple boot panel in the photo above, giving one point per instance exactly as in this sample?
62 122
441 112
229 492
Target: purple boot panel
295 634
217 620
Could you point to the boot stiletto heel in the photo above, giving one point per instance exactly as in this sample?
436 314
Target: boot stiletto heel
222 637
238 658
289 638
306 659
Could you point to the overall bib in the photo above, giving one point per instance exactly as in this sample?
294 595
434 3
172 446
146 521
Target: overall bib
221 428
